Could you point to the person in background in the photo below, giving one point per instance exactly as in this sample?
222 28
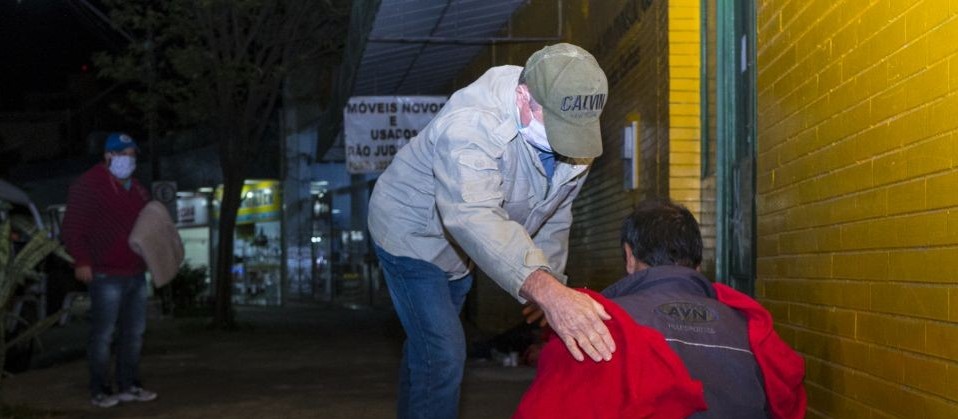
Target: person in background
102 207
687 347
489 182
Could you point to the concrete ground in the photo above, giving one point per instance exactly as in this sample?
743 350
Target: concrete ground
299 361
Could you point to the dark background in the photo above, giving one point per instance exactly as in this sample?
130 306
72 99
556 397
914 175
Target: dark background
42 43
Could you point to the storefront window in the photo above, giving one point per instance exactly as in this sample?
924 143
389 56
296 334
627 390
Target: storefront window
257 246
193 223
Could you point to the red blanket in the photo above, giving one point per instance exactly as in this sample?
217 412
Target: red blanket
646 379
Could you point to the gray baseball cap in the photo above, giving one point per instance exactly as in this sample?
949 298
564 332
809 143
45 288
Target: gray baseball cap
572 89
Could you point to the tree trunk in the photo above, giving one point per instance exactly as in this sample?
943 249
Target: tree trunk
229 207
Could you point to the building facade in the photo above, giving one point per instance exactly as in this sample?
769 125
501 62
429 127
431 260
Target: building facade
856 199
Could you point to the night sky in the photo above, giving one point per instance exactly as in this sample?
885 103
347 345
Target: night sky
42 41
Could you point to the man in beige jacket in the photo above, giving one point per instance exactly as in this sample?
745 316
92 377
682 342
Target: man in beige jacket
490 183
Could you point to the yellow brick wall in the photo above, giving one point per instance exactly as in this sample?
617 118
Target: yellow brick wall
685 168
857 199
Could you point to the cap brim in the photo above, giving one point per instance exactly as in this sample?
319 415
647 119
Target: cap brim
578 141
133 146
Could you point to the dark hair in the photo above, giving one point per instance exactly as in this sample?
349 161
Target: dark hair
661 232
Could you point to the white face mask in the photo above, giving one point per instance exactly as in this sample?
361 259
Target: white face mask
122 166
535 134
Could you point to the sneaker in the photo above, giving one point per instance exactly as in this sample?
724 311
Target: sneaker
136 394
104 400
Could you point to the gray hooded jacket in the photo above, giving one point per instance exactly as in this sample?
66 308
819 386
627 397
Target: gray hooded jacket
469 189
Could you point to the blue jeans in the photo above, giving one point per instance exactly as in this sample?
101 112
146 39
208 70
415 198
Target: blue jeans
117 304
434 354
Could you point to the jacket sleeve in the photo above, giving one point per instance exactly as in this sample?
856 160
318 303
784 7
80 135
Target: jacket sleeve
469 199
553 237
79 218
644 379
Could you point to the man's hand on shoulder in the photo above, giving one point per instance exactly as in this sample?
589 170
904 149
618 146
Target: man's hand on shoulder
575 317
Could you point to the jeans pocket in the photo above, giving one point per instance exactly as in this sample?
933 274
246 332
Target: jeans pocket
404 268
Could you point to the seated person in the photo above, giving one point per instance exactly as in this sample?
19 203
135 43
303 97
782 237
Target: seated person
685 347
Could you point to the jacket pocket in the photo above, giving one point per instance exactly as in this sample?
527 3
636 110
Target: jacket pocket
482 189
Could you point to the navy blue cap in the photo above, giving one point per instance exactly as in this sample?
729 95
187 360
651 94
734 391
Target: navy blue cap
119 141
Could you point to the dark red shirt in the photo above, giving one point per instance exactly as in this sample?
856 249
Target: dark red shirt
99 218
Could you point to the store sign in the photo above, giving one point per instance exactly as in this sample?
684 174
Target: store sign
165 192
261 201
376 127
192 211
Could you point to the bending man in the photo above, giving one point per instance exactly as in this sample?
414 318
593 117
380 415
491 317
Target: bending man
490 183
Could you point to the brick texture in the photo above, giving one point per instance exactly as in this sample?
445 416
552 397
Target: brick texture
685 168
857 179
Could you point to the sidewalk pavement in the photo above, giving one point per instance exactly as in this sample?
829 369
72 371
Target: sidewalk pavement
298 361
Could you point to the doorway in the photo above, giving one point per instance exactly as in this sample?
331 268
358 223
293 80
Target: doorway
736 145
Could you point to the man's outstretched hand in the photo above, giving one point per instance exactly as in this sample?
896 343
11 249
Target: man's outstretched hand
575 317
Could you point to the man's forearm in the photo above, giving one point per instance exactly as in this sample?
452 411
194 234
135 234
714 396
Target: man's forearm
539 287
